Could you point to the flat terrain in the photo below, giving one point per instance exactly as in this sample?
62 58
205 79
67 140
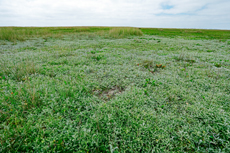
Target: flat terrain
167 90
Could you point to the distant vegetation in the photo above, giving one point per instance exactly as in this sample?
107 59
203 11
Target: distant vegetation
188 33
124 32
25 33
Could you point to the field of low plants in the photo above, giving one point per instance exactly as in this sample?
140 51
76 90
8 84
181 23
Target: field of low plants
107 89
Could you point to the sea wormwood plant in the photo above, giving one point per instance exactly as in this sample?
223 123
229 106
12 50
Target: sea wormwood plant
74 103
18 71
147 63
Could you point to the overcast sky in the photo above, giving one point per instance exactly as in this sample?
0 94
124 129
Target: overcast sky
208 14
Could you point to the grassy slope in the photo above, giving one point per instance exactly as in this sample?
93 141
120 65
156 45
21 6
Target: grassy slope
86 93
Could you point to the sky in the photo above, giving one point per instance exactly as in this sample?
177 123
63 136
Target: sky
200 14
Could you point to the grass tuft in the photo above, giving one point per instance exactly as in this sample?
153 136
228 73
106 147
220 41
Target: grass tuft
124 32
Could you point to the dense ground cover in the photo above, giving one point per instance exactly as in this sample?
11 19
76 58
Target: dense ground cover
89 92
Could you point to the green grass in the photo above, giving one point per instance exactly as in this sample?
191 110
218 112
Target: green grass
24 33
192 34
87 91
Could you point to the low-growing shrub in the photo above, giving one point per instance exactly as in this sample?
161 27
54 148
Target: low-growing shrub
160 66
186 58
218 65
147 63
210 50
97 57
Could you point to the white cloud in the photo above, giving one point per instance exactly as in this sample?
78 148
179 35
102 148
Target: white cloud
143 13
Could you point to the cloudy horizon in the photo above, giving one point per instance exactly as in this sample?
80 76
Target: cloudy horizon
206 14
